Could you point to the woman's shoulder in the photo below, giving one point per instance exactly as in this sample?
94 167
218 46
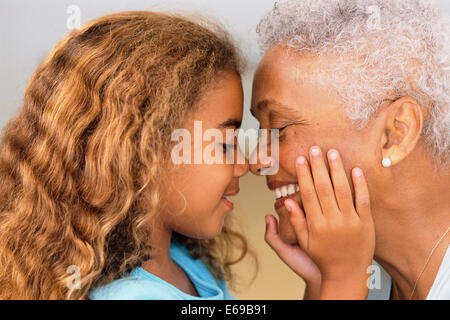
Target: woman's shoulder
440 289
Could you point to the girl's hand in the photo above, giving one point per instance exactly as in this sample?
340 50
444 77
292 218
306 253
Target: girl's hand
337 235
295 258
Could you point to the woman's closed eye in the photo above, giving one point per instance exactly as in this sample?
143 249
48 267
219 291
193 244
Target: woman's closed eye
282 128
268 132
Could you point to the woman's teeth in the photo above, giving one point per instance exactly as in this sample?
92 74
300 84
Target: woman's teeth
286 190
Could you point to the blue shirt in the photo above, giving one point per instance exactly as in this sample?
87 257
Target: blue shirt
142 285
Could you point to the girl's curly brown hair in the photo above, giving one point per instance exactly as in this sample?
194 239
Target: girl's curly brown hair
79 163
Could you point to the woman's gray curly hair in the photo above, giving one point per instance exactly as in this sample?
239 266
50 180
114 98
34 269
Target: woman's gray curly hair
396 48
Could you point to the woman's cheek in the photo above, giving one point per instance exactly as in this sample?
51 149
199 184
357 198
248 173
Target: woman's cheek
289 151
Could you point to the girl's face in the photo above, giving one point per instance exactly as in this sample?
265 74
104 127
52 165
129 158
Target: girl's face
193 193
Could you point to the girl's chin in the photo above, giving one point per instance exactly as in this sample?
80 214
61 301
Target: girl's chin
209 232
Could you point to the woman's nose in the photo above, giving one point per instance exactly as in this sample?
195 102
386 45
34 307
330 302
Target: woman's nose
255 164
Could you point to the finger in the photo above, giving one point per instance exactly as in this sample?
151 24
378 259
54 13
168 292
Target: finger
341 185
322 183
272 236
362 198
294 257
313 211
298 221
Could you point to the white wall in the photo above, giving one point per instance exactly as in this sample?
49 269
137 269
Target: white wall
30 28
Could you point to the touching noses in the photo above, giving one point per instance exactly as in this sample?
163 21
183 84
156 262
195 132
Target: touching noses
256 164
241 167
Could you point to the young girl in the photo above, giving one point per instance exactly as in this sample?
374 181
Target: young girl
91 202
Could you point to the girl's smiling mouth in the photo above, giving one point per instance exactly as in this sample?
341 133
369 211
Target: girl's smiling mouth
227 201
225 198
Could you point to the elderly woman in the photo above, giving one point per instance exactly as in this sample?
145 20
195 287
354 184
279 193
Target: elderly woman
370 78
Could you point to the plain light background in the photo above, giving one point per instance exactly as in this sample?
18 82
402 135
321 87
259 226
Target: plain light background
28 31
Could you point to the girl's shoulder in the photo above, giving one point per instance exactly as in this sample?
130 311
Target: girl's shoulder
132 289
142 285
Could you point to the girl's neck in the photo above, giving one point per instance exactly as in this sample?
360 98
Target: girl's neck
161 263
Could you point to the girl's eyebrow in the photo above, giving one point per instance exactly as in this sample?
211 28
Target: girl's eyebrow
234 123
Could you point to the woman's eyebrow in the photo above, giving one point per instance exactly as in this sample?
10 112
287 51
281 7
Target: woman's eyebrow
260 105
233 123
263 104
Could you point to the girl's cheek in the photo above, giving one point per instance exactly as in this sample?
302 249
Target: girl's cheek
227 177
216 175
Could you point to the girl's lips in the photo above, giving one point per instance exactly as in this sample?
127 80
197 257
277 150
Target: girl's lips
228 202
280 201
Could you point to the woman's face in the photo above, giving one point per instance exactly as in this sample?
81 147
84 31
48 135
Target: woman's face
193 196
310 116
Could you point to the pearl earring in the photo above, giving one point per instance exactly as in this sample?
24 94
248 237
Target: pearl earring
386 162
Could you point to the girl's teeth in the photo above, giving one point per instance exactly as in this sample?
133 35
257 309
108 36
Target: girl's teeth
284 191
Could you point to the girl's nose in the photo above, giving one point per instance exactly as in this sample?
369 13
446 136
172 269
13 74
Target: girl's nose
241 167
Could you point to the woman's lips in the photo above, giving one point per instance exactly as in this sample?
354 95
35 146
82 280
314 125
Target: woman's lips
280 201
228 202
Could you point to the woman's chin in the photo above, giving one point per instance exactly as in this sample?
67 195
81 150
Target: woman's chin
286 231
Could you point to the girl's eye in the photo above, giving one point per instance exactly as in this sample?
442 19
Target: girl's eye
228 146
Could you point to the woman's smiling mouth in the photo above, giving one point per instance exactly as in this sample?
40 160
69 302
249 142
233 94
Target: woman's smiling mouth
286 190
280 201
283 191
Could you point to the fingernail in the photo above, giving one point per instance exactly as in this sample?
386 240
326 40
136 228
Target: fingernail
267 219
357 172
332 154
287 205
301 160
315 151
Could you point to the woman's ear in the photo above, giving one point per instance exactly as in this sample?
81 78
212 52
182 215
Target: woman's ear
403 128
